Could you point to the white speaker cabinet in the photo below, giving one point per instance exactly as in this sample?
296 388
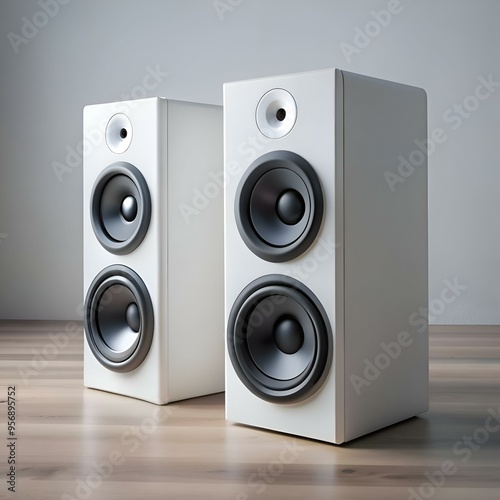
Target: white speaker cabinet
325 261
153 264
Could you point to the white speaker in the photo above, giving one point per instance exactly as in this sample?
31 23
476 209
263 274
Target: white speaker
153 277
325 261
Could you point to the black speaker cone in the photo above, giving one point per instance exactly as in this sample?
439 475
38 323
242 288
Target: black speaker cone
120 208
279 206
119 322
279 339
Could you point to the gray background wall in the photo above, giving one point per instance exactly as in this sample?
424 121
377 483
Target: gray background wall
92 51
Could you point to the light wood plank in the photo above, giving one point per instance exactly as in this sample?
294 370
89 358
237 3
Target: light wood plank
187 450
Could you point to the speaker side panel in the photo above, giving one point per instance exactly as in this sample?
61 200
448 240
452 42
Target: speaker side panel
195 253
385 255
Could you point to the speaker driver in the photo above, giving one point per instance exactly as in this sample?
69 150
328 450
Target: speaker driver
279 206
276 113
119 320
279 339
119 133
120 208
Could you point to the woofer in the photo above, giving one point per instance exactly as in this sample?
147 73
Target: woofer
279 206
119 321
120 208
279 339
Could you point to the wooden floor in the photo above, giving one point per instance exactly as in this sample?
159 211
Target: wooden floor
76 443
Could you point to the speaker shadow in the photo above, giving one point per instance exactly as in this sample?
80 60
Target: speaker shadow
415 433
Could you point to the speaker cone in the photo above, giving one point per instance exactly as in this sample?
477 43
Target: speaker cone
279 339
119 320
279 206
120 208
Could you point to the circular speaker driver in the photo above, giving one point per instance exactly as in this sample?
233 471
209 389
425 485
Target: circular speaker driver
279 339
279 206
120 208
276 113
119 133
119 320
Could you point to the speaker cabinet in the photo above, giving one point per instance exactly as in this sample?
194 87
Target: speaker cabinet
153 277
324 262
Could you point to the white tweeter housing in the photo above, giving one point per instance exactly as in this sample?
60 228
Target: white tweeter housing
119 133
276 113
